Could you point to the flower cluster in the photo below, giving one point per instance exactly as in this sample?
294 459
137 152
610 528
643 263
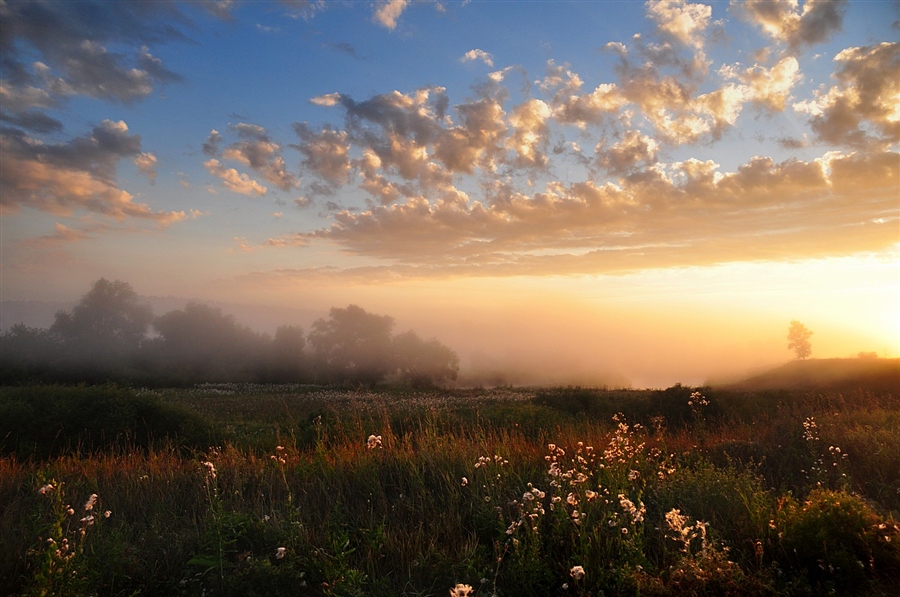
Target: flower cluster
461 590
373 442
684 532
210 469
280 455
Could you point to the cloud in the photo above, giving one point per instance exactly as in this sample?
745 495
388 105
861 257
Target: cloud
32 120
667 214
632 151
326 153
680 20
478 55
211 146
771 88
388 12
260 152
79 175
784 21
146 163
254 149
220 9
528 122
234 180
863 108
55 50
344 48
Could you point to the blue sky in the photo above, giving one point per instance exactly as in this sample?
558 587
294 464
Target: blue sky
322 153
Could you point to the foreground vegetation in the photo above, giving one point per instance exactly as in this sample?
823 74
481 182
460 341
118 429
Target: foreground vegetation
310 491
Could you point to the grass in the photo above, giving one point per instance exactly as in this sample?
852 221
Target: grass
272 490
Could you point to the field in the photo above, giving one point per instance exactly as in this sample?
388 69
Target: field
299 490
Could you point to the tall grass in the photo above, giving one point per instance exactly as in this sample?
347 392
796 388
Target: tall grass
507 492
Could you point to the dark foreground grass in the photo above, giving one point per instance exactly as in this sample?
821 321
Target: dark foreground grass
510 492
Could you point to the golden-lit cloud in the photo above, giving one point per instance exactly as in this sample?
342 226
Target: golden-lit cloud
254 149
477 54
686 22
785 21
688 212
76 176
864 107
233 180
146 163
388 12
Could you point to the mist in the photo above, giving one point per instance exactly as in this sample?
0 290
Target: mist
504 338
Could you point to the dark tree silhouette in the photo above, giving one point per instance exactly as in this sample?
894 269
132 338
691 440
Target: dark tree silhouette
423 362
798 339
109 313
105 329
287 361
202 343
352 345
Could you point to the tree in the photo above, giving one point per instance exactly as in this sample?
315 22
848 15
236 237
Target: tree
202 343
352 345
109 312
798 339
287 360
422 362
105 329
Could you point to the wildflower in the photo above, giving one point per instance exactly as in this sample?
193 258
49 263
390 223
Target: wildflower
88 520
624 530
70 511
577 572
279 553
373 442
89 505
633 475
107 514
45 489
464 482
210 469
461 590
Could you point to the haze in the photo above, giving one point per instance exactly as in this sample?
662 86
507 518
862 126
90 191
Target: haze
614 193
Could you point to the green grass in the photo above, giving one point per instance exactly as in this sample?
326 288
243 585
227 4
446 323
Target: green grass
732 498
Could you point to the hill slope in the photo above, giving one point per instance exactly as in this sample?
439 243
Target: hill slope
881 375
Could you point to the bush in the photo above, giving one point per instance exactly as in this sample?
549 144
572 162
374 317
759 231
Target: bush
838 541
43 421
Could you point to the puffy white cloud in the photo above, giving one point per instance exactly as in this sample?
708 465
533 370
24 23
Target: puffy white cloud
328 100
528 122
686 22
772 87
477 54
233 180
388 12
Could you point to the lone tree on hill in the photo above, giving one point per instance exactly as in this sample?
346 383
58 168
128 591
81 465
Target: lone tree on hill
798 339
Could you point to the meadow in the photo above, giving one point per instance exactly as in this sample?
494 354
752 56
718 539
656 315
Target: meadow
241 489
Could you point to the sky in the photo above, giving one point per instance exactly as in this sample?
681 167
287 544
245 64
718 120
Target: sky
580 192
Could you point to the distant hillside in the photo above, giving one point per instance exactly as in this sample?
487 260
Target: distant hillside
875 374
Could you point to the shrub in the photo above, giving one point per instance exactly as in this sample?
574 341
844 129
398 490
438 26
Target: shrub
838 541
43 421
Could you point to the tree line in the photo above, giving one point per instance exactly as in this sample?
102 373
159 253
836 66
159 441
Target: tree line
110 335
